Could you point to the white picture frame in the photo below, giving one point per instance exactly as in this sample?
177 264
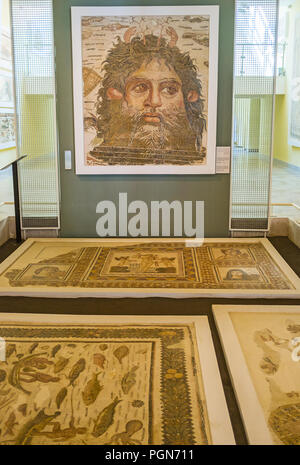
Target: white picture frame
208 146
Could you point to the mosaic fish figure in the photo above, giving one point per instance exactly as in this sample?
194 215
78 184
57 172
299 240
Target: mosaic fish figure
55 350
129 380
61 363
91 390
33 346
61 396
105 418
76 370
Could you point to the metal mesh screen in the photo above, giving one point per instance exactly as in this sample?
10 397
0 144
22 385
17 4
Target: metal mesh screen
254 87
33 50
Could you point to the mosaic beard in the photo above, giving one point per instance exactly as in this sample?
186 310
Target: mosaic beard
131 128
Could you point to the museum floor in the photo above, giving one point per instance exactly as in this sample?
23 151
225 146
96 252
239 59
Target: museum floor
156 306
285 189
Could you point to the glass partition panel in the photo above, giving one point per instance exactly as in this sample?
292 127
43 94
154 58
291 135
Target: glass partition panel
33 47
253 99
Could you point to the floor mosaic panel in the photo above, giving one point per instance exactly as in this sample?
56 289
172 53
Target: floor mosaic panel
112 382
217 265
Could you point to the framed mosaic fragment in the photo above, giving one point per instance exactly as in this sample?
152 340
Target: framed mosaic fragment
174 268
262 350
110 380
7 128
145 89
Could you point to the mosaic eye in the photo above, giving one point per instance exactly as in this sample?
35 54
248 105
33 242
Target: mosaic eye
140 88
169 89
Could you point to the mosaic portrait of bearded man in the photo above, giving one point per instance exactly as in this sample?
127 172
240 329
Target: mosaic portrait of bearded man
145 90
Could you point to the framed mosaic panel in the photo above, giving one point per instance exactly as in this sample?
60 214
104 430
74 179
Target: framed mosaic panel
145 89
174 268
7 128
110 380
262 350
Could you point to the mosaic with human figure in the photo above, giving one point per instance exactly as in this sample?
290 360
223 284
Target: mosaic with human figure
145 87
150 265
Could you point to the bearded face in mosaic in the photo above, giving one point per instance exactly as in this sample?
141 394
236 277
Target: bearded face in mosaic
236 275
150 97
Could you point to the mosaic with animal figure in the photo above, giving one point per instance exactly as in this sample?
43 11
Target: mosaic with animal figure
101 384
274 366
268 341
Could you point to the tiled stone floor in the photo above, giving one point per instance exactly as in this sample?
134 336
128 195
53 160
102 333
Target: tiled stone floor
285 189
250 186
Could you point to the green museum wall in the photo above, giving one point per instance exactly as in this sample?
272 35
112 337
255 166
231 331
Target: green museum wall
80 194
